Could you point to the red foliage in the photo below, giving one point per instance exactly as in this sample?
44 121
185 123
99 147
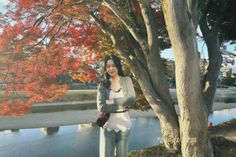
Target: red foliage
9 33
27 4
36 51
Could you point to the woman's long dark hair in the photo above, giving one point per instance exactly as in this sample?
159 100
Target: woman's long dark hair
117 62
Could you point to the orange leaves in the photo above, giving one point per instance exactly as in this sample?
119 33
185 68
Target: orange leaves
3 44
75 65
77 12
8 34
47 93
14 38
88 74
18 48
84 77
84 34
15 107
108 16
35 76
47 40
81 77
27 4
67 1
49 63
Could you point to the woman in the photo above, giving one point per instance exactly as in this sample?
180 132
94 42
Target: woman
115 95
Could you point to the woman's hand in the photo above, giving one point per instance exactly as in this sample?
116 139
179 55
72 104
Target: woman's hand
110 101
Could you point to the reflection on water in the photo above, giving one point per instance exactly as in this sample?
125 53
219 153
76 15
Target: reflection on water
82 140
72 141
225 95
50 130
221 116
226 99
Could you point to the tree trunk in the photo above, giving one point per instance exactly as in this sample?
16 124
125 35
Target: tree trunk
194 117
167 115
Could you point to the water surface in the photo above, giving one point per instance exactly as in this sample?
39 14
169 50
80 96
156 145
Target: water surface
82 141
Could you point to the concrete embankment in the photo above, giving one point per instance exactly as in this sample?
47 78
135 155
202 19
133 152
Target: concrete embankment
72 117
70 113
53 119
91 104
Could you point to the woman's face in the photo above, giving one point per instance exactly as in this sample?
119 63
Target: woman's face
111 68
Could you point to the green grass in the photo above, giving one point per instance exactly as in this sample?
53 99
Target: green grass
13 96
155 151
66 97
76 97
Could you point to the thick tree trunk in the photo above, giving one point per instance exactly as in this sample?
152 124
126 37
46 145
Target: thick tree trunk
166 114
193 120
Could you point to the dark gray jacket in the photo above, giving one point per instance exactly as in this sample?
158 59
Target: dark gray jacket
128 99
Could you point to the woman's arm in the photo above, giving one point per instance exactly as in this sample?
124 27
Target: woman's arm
102 104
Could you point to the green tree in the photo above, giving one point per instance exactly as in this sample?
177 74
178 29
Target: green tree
229 81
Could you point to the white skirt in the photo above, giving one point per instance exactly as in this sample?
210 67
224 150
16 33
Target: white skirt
118 122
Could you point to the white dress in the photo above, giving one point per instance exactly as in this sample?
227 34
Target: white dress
118 121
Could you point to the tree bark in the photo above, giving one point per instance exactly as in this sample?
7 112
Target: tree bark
193 121
167 116
209 82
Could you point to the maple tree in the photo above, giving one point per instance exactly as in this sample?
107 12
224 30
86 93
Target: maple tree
36 46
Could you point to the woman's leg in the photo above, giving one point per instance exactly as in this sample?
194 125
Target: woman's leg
122 142
107 143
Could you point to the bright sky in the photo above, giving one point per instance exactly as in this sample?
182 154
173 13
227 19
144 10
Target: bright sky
2 4
3 1
168 53
202 48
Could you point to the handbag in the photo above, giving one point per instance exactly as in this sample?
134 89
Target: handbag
102 119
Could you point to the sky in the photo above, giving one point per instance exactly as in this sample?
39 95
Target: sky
2 3
167 53
202 48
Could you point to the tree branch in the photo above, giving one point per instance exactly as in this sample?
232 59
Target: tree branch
194 14
113 37
149 23
39 20
46 34
153 58
128 22
209 82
